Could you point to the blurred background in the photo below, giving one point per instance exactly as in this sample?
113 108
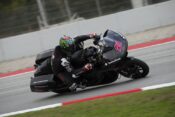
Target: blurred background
22 16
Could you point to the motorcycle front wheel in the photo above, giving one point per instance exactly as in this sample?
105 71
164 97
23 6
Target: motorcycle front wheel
135 68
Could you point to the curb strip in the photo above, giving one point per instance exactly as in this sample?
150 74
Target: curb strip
90 98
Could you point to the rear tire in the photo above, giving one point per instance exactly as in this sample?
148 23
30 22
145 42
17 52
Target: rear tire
135 68
61 87
63 91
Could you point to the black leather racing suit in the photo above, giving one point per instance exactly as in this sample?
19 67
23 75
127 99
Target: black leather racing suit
60 62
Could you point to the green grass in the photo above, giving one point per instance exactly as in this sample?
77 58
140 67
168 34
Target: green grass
153 103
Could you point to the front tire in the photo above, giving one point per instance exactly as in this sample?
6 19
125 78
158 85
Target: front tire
135 68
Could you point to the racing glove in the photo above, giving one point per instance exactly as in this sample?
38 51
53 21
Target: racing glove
95 36
87 67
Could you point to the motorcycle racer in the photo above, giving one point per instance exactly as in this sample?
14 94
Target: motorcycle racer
61 58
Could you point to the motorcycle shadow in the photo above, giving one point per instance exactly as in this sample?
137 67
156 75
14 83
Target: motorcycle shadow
93 89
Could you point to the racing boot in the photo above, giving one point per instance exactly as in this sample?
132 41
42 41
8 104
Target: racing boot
82 86
73 87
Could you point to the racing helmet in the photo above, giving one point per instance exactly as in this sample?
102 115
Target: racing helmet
67 44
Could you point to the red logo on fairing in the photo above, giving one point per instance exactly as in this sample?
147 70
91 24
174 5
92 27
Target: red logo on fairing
118 46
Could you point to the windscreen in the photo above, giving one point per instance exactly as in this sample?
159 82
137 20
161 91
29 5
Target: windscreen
115 45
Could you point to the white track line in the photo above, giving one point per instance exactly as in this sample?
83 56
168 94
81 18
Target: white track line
158 86
31 110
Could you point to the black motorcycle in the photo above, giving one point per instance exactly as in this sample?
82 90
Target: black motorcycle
109 59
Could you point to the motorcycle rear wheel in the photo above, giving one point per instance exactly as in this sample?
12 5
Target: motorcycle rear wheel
63 91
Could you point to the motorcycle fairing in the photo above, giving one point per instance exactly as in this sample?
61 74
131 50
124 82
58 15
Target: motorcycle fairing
115 45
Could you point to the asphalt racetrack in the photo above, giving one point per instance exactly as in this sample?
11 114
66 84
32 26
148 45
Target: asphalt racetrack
15 94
